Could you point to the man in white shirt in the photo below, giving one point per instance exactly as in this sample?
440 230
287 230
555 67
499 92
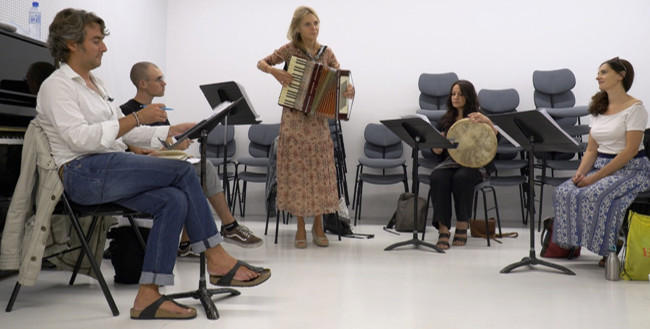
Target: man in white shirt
88 135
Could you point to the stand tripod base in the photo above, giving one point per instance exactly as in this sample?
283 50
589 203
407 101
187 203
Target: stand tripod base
532 260
205 296
415 242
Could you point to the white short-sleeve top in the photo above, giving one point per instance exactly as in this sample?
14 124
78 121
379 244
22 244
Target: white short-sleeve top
609 131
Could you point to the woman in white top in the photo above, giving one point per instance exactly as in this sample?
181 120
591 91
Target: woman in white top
590 207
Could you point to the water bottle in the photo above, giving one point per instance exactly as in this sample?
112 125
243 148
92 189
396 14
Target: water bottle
35 22
613 265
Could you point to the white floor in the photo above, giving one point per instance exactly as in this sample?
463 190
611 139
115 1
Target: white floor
356 284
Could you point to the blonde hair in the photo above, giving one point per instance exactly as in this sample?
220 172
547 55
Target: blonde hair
298 15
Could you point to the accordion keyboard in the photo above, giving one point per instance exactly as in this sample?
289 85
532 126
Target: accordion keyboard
293 95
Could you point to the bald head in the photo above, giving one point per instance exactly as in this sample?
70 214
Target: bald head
140 71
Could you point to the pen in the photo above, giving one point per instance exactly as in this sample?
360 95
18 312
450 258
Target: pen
164 108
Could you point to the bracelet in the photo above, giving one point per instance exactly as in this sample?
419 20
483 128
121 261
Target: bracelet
137 120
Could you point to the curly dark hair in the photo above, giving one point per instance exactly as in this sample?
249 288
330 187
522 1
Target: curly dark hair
600 101
471 104
70 25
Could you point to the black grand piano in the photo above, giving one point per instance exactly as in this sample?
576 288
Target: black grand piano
24 64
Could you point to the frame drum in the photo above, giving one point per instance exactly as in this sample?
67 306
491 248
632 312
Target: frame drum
477 143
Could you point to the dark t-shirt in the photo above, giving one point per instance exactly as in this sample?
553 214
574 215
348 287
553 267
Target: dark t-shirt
133 106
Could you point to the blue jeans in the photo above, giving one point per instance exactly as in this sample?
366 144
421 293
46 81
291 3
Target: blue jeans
169 190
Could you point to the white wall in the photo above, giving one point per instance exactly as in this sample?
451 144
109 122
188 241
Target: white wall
137 32
387 45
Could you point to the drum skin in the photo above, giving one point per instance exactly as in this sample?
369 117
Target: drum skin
477 143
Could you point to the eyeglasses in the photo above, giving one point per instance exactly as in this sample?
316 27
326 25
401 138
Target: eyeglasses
159 79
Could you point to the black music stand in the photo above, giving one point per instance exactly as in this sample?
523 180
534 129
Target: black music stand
201 130
417 133
535 131
242 114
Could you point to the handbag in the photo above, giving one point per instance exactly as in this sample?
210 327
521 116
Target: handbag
477 229
550 249
402 219
637 252
329 220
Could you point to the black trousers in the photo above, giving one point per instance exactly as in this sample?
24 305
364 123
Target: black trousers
456 182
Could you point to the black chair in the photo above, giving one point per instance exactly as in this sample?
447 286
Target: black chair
215 146
75 212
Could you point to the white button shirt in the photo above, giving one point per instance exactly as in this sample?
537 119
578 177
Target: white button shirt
79 121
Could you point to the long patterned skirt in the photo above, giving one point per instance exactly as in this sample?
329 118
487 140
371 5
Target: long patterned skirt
306 174
591 216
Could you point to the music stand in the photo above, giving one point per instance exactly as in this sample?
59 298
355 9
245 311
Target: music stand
417 133
242 114
534 131
201 130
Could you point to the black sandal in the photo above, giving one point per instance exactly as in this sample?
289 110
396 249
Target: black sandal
462 240
153 311
444 245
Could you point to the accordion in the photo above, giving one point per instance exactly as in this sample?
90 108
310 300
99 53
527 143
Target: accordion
316 89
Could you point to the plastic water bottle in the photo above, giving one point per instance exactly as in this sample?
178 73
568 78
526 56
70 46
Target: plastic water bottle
35 22
613 265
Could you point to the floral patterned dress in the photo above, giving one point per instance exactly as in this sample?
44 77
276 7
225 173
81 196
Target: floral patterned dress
306 175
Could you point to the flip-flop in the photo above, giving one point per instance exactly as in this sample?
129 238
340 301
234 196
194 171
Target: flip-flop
153 311
228 280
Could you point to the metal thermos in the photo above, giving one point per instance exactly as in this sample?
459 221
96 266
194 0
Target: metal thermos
613 265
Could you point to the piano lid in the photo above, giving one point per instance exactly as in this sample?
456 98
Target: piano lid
24 64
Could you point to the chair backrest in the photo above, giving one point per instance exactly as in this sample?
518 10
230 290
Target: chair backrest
496 101
215 142
261 137
553 88
381 142
434 89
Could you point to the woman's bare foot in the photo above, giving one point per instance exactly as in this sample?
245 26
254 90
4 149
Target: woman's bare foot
220 263
301 239
148 294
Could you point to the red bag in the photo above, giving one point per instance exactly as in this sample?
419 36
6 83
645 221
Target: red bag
552 250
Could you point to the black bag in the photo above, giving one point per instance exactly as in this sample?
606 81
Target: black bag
329 222
402 219
127 255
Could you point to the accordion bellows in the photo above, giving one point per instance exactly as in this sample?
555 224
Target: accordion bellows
316 89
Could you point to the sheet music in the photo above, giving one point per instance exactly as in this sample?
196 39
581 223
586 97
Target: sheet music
550 119
417 115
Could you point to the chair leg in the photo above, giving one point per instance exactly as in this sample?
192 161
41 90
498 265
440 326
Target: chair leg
485 213
541 199
77 265
426 214
356 183
91 259
357 210
496 208
277 224
242 200
406 180
235 196
137 233
12 300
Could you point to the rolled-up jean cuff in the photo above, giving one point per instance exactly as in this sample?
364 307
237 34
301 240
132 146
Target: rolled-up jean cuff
206 244
157 278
